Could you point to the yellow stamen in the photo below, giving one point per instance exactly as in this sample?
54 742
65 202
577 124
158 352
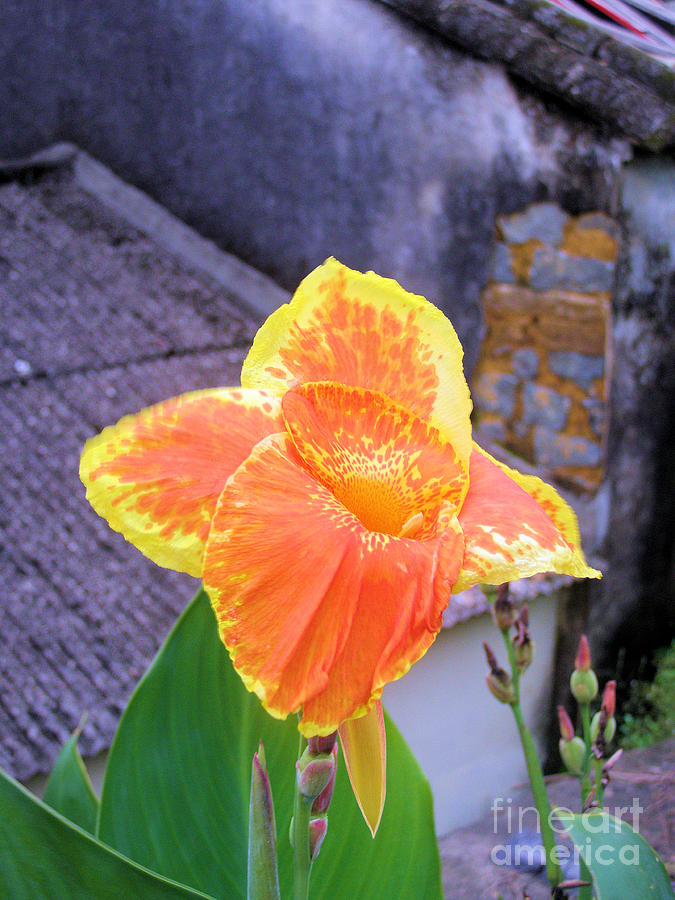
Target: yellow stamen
412 526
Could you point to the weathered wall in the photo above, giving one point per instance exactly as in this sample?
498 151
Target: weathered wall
539 388
289 130
634 606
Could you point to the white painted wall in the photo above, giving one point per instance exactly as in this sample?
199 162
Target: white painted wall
465 741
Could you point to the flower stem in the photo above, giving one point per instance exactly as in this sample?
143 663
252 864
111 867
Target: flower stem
599 790
303 863
534 771
585 776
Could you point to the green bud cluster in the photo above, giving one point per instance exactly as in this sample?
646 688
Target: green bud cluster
572 753
608 731
584 684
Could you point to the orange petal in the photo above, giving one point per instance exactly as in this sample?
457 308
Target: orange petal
366 331
510 533
364 747
156 476
388 467
316 611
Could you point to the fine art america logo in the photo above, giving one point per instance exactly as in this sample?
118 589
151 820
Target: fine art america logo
522 847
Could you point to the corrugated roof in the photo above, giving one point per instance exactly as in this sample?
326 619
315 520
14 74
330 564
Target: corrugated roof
97 321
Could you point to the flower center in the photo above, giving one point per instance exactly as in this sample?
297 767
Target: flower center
381 506
386 466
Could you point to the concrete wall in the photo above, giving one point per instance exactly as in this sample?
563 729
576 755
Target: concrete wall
466 742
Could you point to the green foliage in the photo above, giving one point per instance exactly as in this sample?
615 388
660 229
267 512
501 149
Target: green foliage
622 864
44 856
69 789
176 795
649 714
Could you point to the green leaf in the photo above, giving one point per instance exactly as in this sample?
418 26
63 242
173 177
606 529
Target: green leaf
176 791
402 860
263 878
621 862
69 789
43 855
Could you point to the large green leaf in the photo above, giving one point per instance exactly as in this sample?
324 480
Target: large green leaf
402 861
621 862
44 856
176 790
69 789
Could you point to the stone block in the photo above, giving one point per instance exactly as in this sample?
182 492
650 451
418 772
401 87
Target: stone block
545 407
493 430
525 363
596 414
542 222
556 451
555 269
495 392
597 221
582 368
500 265
557 320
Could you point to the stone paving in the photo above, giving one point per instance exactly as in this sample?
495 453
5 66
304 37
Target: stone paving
97 321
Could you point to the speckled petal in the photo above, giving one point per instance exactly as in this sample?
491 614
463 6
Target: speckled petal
511 532
366 331
318 612
156 476
387 466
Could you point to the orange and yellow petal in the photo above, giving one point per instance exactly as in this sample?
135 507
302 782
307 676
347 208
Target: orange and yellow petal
364 747
366 331
317 612
511 532
156 476
558 510
384 464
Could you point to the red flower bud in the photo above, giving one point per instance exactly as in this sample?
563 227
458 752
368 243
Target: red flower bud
322 802
317 832
315 776
566 727
582 661
609 698
322 744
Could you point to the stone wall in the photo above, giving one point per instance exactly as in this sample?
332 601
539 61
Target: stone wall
539 387
290 130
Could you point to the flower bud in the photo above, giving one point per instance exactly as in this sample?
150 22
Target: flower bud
608 725
322 802
317 832
566 727
503 611
572 753
498 681
524 653
584 684
315 775
609 699
322 744
522 642
582 661
501 687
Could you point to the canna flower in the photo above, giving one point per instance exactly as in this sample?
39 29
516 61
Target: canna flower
331 504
